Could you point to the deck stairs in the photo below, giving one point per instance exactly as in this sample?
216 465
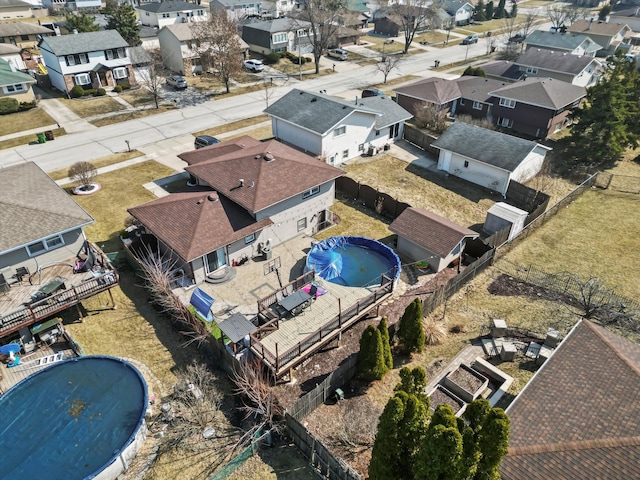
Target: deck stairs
40 362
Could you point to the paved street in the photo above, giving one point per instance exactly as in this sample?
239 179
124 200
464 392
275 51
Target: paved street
90 143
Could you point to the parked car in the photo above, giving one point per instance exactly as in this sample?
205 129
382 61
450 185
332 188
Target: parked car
372 92
517 38
202 141
177 82
470 39
254 65
338 54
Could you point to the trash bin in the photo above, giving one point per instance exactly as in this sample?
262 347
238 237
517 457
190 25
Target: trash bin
267 253
42 138
49 135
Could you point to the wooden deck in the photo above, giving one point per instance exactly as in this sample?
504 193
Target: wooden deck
10 376
18 308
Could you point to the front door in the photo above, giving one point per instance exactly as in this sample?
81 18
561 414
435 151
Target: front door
215 260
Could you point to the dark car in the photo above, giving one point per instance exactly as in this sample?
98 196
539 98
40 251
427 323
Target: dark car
470 39
517 38
372 92
177 82
202 141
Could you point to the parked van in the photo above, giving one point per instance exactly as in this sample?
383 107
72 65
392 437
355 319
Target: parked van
372 92
202 141
338 54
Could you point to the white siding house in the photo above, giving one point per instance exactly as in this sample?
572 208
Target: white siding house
161 14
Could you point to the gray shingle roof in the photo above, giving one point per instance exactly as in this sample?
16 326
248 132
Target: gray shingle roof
313 111
579 416
543 92
554 61
10 29
433 90
33 207
278 25
14 3
84 42
478 88
487 146
502 69
586 27
169 6
392 113
139 56
561 41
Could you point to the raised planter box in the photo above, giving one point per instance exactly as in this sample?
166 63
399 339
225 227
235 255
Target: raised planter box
466 383
441 396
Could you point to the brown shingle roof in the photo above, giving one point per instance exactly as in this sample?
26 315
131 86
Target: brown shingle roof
597 28
431 231
433 90
33 207
579 416
271 171
194 224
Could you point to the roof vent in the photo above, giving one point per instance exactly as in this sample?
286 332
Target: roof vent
314 99
301 92
268 157
212 198
242 182
257 157
253 184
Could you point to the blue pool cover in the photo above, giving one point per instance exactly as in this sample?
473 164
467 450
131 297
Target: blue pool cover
353 261
70 420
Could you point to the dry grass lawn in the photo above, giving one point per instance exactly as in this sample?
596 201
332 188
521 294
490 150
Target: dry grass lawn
355 220
233 126
101 162
20 121
27 139
88 107
131 115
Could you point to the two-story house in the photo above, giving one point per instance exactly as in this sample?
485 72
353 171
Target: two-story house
15 84
179 48
278 35
579 70
608 35
238 9
170 12
535 107
252 195
91 60
14 9
23 35
12 54
336 129
460 11
575 44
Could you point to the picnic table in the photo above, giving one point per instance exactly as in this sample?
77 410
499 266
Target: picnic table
296 302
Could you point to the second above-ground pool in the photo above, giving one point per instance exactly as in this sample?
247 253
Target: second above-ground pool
353 261
80 418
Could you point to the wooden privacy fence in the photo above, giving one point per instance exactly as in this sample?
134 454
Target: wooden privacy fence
373 199
319 456
419 138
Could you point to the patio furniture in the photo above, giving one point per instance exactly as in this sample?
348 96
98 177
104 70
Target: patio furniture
22 272
296 302
4 286
51 287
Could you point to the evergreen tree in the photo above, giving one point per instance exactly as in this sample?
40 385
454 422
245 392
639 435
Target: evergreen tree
444 415
413 381
479 12
604 12
412 429
371 361
123 18
493 441
410 332
514 10
606 123
441 454
500 11
81 22
488 11
386 343
386 452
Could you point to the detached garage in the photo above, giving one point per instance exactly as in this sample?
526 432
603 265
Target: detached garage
488 158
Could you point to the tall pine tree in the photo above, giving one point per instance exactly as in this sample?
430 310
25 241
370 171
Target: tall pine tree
479 12
371 361
488 11
410 332
500 11
123 18
386 343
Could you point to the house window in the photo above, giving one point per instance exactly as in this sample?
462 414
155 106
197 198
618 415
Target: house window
82 79
477 106
302 33
24 37
340 131
166 15
146 14
200 13
507 102
50 243
302 224
462 101
361 148
119 73
249 238
505 122
279 37
311 192
71 60
466 164
345 154
532 70
77 59
377 133
19 87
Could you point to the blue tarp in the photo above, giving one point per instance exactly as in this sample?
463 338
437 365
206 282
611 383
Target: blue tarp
202 302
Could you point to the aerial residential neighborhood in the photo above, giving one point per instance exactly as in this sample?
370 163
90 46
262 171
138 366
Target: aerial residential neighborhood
354 240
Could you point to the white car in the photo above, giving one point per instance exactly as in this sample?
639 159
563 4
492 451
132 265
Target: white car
254 65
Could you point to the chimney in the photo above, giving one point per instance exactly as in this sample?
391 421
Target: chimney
242 182
75 31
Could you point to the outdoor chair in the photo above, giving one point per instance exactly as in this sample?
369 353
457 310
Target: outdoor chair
4 286
22 272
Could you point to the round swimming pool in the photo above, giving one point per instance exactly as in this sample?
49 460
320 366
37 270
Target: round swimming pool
353 261
80 418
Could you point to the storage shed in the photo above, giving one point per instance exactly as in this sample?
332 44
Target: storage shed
502 215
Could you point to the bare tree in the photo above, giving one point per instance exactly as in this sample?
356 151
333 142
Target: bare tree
83 173
479 122
260 402
357 428
412 16
216 41
562 16
320 20
386 64
153 75
431 117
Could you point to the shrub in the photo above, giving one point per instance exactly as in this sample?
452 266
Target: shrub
117 88
77 91
8 105
371 361
410 332
101 92
125 85
458 327
89 91
24 106
272 58
434 333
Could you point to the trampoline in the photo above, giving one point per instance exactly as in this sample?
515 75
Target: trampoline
353 261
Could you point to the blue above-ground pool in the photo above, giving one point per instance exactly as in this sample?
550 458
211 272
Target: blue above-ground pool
78 419
353 261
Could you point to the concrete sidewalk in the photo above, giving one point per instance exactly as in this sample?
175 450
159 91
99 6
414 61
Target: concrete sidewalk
66 118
